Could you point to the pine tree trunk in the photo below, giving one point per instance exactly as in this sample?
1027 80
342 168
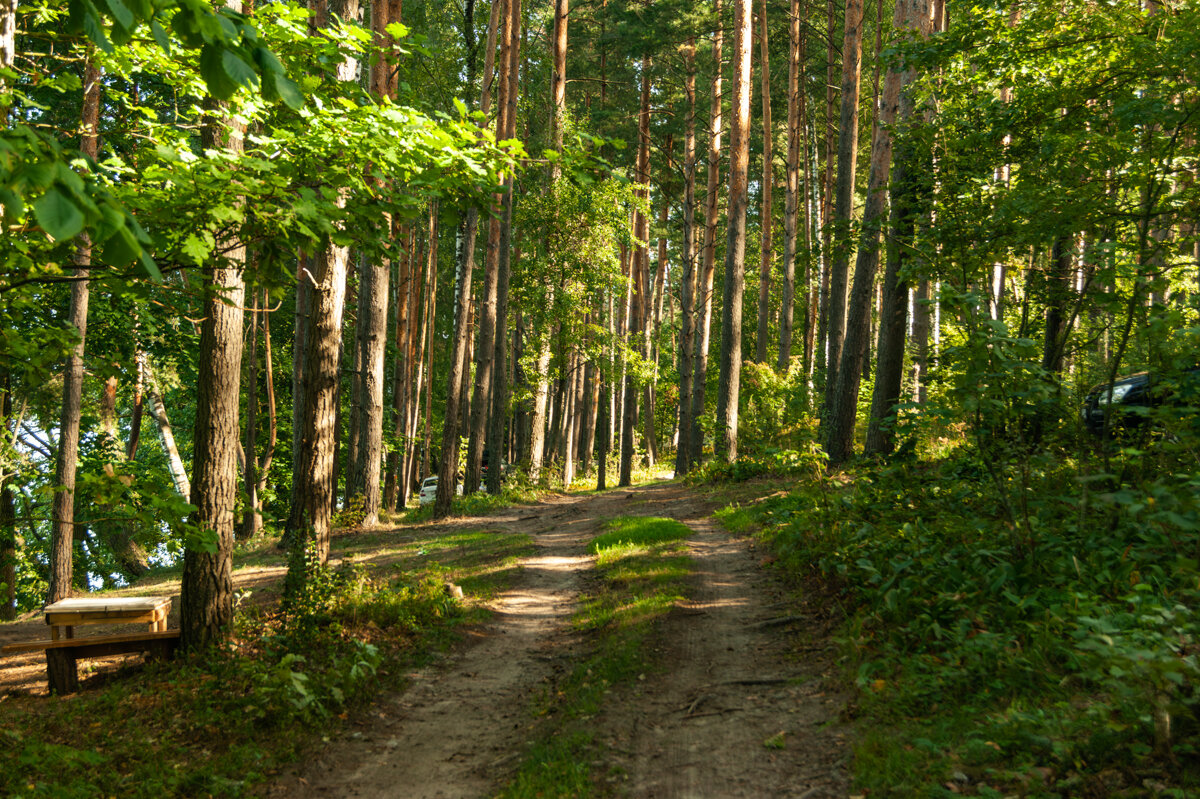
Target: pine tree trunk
704 293
312 511
843 208
821 345
8 513
791 209
840 432
206 590
725 444
448 465
367 443
63 510
903 224
768 178
251 517
687 290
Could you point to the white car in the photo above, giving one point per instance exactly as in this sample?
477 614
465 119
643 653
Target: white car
429 490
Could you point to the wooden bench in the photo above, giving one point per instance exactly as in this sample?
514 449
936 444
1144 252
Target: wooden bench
64 649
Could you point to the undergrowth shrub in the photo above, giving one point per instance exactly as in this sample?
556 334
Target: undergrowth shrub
1042 608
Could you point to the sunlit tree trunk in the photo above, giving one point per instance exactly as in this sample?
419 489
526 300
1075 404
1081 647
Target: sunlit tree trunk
821 344
840 431
8 510
843 208
63 506
725 445
206 591
768 178
704 290
687 290
366 445
639 264
456 388
905 202
310 515
791 208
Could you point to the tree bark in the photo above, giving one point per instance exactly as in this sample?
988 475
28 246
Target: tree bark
206 593
8 512
843 208
312 511
63 509
768 178
791 209
366 446
844 410
904 211
735 243
687 290
709 262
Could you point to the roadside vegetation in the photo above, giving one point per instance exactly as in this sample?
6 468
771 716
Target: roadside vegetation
287 677
643 571
1017 622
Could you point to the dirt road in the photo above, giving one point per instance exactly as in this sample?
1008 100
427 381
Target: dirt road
738 707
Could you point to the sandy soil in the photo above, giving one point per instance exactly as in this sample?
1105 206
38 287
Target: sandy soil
738 705
740 667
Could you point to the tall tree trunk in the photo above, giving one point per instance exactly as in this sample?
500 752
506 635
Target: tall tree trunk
263 465
430 324
8 511
735 243
300 339
791 209
371 346
826 210
395 476
840 433
638 270
843 208
63 511
768 178
310 516
687 291
704 290
905 201
251 515
206 592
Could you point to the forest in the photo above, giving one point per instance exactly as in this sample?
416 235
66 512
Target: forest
268 266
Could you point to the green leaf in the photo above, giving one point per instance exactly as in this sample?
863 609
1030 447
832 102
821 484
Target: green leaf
122 15
58 215
121 248
238 70
160 36
288 92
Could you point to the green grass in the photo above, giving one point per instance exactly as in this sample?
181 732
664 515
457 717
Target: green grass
223 723
643 571
1021 634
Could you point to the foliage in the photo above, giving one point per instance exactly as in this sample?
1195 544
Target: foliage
1062 636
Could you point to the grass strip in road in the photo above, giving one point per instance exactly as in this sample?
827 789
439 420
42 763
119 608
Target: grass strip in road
223 722
643 567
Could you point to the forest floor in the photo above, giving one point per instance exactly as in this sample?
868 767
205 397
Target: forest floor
739 700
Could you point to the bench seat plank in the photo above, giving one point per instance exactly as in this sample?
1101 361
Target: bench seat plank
94 642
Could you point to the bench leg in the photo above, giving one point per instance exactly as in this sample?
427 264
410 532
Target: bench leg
61 672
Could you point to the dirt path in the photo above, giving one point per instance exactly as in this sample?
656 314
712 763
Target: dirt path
738 709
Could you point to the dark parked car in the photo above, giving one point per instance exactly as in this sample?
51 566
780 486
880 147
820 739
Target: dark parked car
1130 398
